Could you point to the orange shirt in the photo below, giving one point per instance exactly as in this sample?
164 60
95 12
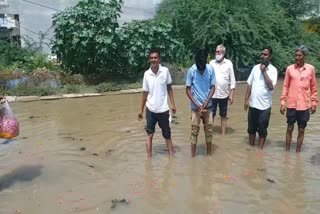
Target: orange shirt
300 85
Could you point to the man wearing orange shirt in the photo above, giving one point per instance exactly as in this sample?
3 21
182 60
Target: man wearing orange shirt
299 87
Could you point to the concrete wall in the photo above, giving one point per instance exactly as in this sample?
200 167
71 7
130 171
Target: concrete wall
35 18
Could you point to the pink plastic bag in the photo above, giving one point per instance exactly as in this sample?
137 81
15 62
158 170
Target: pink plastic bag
9 125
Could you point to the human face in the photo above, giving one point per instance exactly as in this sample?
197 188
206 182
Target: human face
299 57
154 59
201 65
219 51
265 55
219 55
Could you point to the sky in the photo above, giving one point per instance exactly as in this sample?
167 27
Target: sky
35 18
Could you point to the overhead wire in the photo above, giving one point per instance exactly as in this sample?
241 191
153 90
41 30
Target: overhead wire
49 7
55 9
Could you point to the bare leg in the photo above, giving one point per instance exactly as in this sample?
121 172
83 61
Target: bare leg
208 132
252 139
193 149
262 140
149 145
223 125
169 146
209 145
194 139
289 137
212 123
300 139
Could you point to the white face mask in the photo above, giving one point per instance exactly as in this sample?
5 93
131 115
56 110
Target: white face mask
219 57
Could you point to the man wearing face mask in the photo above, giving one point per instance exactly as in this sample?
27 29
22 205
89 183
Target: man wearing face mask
225 86
200 85
261 84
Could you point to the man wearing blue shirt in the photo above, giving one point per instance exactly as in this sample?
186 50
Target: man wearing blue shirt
200 85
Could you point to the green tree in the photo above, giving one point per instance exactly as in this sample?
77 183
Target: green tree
12 54
312 25
300 8
138 37
85 36
243 26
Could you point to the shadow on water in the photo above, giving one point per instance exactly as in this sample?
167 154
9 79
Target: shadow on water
202 149
315 159
161 149
21 174
217 130
8 141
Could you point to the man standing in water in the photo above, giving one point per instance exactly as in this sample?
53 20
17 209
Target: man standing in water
261 83
224 89
200 85
156 88
299 87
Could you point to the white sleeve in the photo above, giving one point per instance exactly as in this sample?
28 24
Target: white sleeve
145 86
250 78
274 76
169 79
232 77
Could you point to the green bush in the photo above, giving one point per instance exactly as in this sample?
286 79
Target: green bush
110 86
74 89
85 38
138 37
23 90
243 26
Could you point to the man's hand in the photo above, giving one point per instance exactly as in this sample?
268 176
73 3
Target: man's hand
282 109
205 105
202 110
231 100
263 68
313 109
246 105
174 109
199 107
140 116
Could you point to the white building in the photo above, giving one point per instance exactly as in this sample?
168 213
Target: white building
35 15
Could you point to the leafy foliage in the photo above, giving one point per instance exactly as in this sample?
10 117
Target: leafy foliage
244 30
85 36
89 41
12 54
14 57
138 37
300 8
312 25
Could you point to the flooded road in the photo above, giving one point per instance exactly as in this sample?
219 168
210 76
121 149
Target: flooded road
77 155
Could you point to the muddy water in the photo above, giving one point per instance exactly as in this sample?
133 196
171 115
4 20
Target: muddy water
76 155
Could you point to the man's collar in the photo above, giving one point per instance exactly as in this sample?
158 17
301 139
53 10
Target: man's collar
297 67
159 70
223 61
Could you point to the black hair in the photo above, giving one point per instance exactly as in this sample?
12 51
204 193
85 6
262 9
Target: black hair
268 48
201 59
155 50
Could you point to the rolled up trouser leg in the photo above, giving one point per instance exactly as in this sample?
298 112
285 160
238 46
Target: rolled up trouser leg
194 134
208 133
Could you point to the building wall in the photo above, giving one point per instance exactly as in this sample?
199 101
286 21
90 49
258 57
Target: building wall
35 18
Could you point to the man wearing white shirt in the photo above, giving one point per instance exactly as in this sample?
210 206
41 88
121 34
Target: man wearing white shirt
156 88
258 99
225 85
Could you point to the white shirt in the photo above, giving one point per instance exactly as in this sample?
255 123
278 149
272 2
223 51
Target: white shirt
156 85
225 80
261 95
